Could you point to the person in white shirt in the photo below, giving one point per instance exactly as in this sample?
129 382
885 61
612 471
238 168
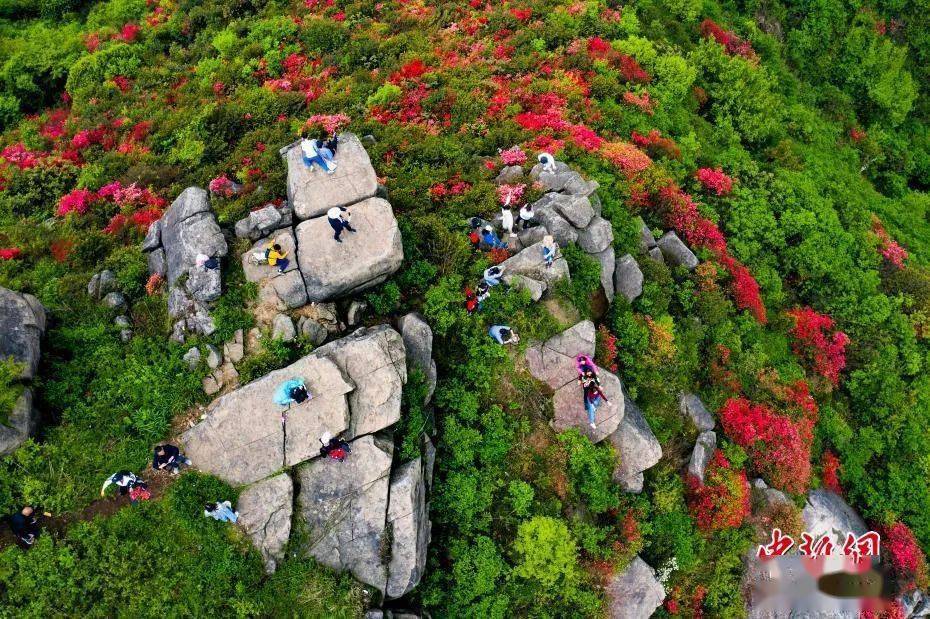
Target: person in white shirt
340 219
526 216
507 220
314 152
548 162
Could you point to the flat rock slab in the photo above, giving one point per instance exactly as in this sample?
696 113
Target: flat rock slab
344 507
827 512
530 263
637 446
313 191
569 411
410 527
255 270
22 323
265 514
242 438
553 361
635 593
363 259
374 360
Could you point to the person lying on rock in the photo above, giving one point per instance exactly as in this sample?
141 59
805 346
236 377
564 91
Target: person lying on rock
332 145
276 256
526 216
292 391
25 525
169 458
484 293
549 250
334 447
548 162
207 263
314 152
502 334
340 219
593 397
221 511
493 274
490 238
123 480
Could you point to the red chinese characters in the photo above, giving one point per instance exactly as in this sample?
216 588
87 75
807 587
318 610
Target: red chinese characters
856 546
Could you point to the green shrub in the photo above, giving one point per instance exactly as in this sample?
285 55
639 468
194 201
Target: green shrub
10 387
547 553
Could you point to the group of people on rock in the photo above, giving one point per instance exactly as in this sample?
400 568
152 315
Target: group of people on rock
590 384
320 151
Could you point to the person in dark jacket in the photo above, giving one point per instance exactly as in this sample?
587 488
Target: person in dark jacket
124 480
340 219
334 447
169 458
25 525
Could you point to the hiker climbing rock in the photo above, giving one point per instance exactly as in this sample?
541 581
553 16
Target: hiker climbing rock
25 524
340 219
276 256
548 162
593 397
490 238
314 151
291 392
169 458
493 274
221 511
502 334
334 447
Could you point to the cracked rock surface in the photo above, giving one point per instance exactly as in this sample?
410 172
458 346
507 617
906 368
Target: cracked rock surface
265 510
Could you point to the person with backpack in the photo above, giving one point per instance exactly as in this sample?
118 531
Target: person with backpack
169 458
593 398
548 163
123 480
276 257
25 525
502 334
221 511
340 219
490 238
334 447
585 364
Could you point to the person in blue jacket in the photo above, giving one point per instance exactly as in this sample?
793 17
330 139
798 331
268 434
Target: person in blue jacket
502 334
490 238
292 391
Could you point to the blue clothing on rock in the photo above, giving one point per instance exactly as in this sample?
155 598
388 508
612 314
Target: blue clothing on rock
490 238
282 395
222 512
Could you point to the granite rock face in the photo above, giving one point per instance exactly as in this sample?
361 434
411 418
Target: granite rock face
21 423
628 278
363 259
827 512
312 192
265 510
418 342
676 253
703 451
553 361
637 446
635 593
408 519
529 263
694 409
569 410
22 324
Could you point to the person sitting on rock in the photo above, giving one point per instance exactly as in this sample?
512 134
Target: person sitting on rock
490 238
207 263
593 396
123 480
548 162
332 144
549 250
311 152
276 257
334 447
221 511
493 274
340 219
169 458
291 391
25 525
471 301
502 334
584 363
526 216
484 293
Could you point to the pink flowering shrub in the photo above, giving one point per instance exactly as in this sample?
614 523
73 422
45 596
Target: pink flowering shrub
513 156
812 340
722 501
511 194
78 201
331 123
831 472
10 253
629 159
905 555
715 180
887 246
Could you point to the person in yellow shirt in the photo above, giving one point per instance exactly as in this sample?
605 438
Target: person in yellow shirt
277 257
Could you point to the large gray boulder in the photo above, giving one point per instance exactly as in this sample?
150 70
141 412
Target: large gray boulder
646 239
827 512
691 406
703 451
636 446
676 253
635 593
563 179
762 494
189 228
20 424
363 259
521 282
408 520
597 236
265 514
103 283
22 323
555 224
569 411
375 361
243 439
254 265
607 259
312 192
628 279
553 361
576 210
418 342
529 263
342 506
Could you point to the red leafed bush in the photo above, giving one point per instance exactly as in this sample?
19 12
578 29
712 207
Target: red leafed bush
522 14
905 555
154 284
10 253
714 179
656 145
778 445
888 247
631 70
498 255
128 33
411 71
606 355
722 501
825 351
598 47
831 472
625 156
734 45
642 101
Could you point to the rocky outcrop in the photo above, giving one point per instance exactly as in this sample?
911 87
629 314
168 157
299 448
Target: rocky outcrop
553 361
265 510
636 446
528 269
262 222
312 192
675 252
635 593
363 259
418 342
188 229
343 506
286 288
22 325
628 279
826 512
569 411
692 407
701 454
765 496
408 520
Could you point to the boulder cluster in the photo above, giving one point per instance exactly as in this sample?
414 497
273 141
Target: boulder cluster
22 324
367 515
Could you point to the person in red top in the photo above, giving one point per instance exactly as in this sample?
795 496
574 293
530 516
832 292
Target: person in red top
334 447
471 301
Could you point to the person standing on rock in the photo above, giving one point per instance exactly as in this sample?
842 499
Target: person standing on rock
311 152
548 162
169 458
334 447
276 257
593 397
221 511
493 274
502 334
585 365
549 250
507 220
340 219
526 216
